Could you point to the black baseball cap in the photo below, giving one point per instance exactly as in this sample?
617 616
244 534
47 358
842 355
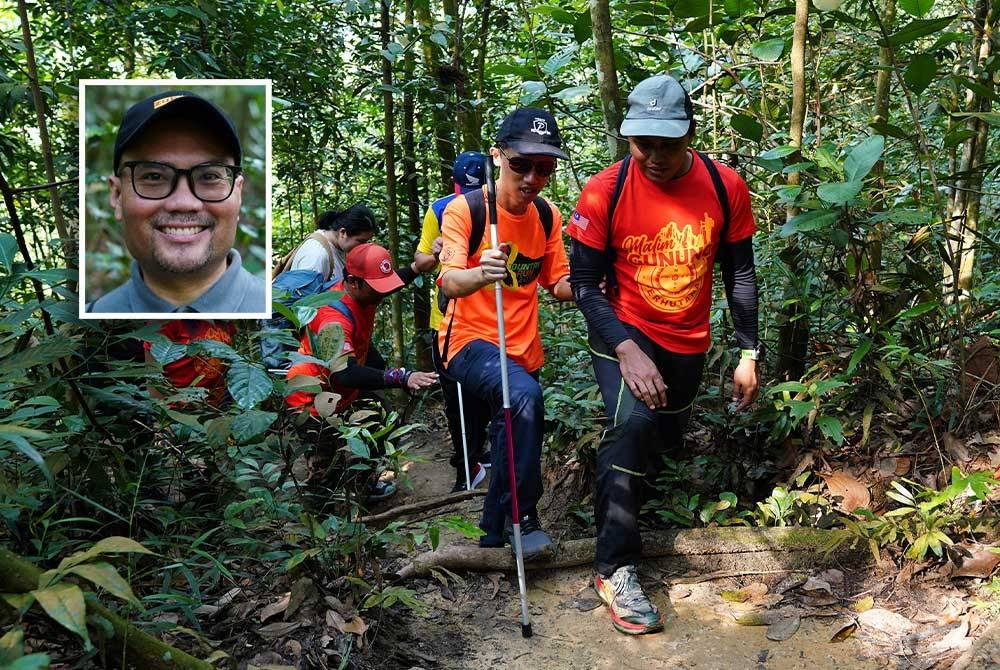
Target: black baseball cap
531 131
171 104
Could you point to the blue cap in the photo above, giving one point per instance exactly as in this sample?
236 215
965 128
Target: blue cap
468 171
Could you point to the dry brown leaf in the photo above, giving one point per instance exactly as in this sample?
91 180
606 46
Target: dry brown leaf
957 638
851 493
303 590
903 464
356 626
974 560
278 629
758 618
816 587
832 576
335 621
275 608
864 604
956 448
843 629
784 628
755 590
495 578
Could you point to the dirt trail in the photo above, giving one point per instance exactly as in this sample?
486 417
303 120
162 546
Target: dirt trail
474 618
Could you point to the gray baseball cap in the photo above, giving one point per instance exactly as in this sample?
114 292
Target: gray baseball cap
658 107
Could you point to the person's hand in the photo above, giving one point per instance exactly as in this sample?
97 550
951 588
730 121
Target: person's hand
421 380
640 375
437 246
745 384
493 264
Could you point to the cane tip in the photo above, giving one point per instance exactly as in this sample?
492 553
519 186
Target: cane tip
525 630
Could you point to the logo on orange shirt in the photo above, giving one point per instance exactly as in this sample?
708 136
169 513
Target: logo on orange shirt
670 268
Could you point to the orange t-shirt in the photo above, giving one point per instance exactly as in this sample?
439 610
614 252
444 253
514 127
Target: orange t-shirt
665 238
357 342
533 261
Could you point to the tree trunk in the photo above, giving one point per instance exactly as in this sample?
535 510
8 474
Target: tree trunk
391 214
68 245
701 549
129 647
474 132
443 127
967 196
793 334
607 78
421 298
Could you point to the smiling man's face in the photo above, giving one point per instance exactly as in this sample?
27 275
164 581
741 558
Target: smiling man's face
179 235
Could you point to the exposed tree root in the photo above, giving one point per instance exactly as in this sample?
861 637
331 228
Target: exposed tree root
696 549
417 507
129 647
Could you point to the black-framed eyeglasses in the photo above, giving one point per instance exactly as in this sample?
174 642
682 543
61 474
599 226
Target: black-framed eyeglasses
209 182
522 165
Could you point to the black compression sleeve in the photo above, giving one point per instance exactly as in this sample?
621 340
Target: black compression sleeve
359 376
407 274
587 267
739 275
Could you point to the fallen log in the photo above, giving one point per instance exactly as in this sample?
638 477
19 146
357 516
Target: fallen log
694 549
421 506
128 647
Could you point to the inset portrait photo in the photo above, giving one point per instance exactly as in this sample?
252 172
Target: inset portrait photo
175 195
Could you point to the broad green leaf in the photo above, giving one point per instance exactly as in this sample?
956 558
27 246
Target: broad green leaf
779 152
19 601
533 90
816 219
560 59
52 277
359 448
65 604
863 157
992 118
109 545
917 310
572 93
8 251
919 28
799 408
302 556
248 383
252 423
104 575
737 8
48 350
839 193
858 355
768 50
37 661
691 8
185 419
920 72
787 387
747 126
319 299
329 341
167 352
15 435
583 28
557 13
832 428
916 8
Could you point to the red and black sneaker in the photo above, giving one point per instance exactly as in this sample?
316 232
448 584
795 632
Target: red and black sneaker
631 610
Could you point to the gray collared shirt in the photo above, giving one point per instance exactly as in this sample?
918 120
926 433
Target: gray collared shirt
235 291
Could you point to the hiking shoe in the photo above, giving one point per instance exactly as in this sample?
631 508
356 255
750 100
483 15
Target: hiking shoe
632 612
535 542
380 490
476 476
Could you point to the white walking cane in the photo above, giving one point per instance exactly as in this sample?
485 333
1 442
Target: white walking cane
491 191
465 443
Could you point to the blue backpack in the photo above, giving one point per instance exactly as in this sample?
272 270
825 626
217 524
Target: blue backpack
278 335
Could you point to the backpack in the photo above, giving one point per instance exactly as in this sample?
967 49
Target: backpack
287 288
477 210
611 281
285 264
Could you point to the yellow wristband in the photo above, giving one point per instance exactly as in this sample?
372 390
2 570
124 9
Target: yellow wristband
748 353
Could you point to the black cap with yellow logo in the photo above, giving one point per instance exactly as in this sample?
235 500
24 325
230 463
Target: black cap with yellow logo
176 104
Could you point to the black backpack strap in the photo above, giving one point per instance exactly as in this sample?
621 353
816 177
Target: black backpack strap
720 192
545 214
609 249
477 210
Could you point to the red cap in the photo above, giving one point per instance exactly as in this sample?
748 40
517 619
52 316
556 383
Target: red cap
372 263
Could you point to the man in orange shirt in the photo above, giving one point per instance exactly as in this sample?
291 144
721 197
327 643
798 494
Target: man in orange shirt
526 150
649 328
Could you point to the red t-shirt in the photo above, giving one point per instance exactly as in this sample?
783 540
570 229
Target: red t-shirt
199 370
534 261
357 342
665 238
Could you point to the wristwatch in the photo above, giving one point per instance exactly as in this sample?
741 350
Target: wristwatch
752 354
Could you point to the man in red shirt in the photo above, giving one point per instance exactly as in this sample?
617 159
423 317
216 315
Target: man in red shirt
649 330
369 276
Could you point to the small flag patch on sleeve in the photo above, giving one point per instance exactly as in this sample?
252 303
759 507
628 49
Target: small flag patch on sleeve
580 221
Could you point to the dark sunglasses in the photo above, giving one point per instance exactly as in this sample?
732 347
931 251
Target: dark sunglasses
522 165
